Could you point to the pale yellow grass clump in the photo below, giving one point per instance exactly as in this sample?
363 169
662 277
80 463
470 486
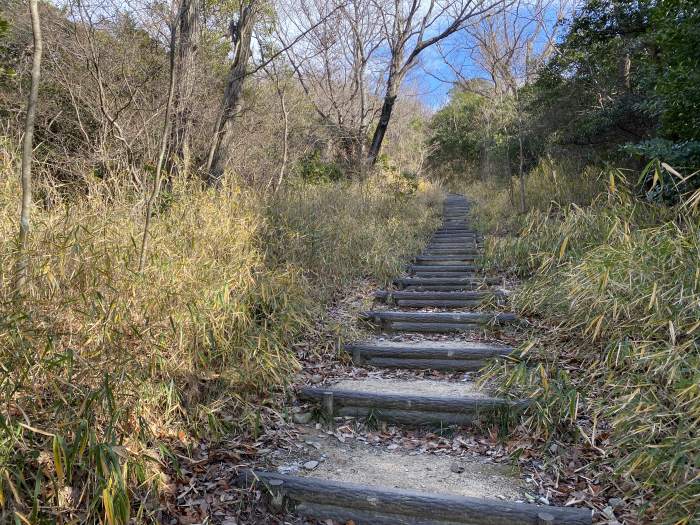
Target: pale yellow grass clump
617 282
102 365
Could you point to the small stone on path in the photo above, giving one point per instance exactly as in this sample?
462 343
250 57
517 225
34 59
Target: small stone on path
456 468
310 465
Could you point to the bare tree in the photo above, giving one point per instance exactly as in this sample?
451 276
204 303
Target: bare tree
28 148
188 39
511 46
176 16
410 27
241 32
277 75
114 69
336 65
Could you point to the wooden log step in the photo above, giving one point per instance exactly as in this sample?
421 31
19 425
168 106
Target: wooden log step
456 235
380 316
461 252
403 294
455 238
470 247
425 355
443 243
440 274
451 251
370 505
426 350
442 287
452 246
437 303
442 261
431 328
442 267
455 282
457 275
445 259
453 365
415 401
454 241
448 262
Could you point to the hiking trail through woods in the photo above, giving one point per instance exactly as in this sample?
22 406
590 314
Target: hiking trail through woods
417 379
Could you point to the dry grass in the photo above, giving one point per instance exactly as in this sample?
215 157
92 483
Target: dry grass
619 283
496 211
103 366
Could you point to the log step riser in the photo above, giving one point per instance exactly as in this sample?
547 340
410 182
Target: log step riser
439 296
326 499
417 303
431 328
439 267
367 351
455 365
449 405
457 275
437 280
443 288
438 317
445 259
361 517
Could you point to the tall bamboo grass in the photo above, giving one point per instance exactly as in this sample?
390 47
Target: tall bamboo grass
619 279
102 367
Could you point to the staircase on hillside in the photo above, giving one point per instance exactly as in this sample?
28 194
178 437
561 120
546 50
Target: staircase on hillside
438 296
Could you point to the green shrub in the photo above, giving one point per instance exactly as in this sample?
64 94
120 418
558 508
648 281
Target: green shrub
314 170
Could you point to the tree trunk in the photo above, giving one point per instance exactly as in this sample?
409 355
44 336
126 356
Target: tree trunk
167 121
625 68
189 28
509 168
28 148
392 89
521 153
285 141
521 166
232 105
